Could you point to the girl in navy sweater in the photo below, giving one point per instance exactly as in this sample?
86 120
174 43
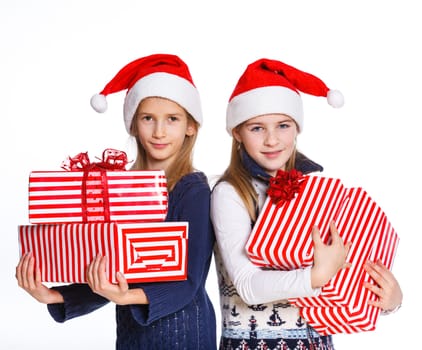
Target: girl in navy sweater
162 111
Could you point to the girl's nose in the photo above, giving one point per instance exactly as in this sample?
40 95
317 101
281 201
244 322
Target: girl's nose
159 130
271 138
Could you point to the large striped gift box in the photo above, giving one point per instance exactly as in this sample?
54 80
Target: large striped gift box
143 252
281 239
357 316
345 287
90 196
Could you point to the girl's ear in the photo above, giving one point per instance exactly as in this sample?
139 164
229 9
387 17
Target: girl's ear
236 135
190 130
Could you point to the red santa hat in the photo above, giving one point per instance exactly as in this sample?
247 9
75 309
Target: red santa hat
268 87
159 75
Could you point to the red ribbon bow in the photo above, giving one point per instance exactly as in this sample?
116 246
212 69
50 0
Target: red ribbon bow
112 159
284 186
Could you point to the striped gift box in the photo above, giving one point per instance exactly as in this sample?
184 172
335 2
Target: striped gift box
143 252
281 239
281 236
358 316
360 221
90 196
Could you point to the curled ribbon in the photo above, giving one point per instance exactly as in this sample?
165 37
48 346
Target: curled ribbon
112 160
284 186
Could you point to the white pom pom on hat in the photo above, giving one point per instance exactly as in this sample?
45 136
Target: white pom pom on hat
269 87
99 103
335 98
158 75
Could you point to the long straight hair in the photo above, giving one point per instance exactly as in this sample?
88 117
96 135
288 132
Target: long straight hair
179 168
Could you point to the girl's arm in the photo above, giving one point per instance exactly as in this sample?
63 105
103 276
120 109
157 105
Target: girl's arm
164 298
232 227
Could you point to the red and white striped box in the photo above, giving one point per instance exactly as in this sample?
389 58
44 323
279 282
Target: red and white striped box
90 196
281 236
357 317
281 239
143 252
345 288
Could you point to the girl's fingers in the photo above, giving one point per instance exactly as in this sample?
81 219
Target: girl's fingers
30 273
18 273
92 272
121 280
95 264
26 271
102 269
89 273
37 276
376 272
373 288
97 272
316 237
334 232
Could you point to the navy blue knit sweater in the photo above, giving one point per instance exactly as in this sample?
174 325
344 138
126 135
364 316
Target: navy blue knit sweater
179 314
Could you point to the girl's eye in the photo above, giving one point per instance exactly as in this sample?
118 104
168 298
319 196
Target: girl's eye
172 118
256 128
146 117
284 125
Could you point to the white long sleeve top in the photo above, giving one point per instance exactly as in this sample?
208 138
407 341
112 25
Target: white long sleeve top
232 227
249 294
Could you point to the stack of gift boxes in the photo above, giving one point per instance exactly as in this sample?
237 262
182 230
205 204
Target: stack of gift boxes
281 239
101 208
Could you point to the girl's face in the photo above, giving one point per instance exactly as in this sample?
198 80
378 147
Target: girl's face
162 126
269 139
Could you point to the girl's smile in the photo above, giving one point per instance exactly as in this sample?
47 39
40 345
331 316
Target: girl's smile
272 154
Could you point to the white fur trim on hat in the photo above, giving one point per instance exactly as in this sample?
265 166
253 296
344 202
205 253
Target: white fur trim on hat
165 85
264 100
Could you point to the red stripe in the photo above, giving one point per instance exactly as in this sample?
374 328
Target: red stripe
302 229
72 252
256 242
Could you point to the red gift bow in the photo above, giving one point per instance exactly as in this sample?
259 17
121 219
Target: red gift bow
112 160
284 186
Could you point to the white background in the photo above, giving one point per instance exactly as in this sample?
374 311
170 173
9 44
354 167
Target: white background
56 54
